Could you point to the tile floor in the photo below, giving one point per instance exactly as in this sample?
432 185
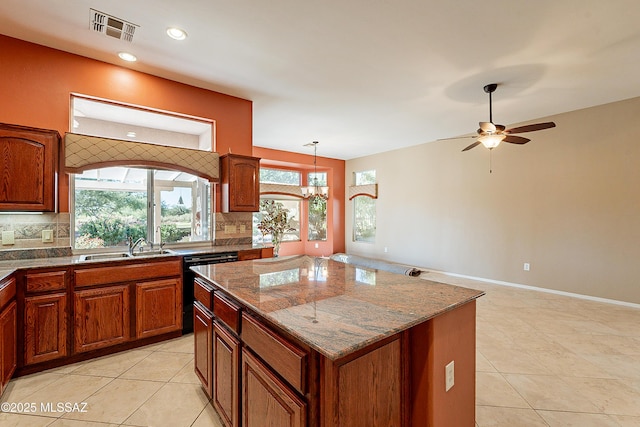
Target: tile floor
542 360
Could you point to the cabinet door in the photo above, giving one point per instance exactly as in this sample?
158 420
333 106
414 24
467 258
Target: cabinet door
240 183
8 341
46 328
101 317
226 363
203 348
28 168
266 400
158 307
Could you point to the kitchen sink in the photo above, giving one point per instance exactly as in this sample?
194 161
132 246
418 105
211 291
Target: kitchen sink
113 255
153 252
119 255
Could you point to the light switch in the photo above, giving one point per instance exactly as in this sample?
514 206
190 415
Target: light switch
8 238
47 236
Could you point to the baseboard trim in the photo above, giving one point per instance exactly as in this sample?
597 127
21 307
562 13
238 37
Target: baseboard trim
546 290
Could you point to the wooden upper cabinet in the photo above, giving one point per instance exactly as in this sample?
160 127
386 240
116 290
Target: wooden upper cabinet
240 183
29 168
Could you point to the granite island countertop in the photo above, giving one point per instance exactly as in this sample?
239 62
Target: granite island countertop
333 307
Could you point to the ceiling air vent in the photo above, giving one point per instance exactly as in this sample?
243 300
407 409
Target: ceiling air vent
112 26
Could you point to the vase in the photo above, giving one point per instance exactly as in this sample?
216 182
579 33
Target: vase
276 246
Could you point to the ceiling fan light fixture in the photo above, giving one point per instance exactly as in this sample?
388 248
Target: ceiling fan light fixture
491 140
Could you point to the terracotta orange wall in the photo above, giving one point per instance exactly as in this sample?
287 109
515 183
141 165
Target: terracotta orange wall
36 83
336 205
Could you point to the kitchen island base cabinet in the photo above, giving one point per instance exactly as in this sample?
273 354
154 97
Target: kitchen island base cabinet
101 317
203 347
8 354
45 328
267 400
226 371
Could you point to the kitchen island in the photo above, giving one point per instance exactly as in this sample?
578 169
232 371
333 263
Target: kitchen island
303 341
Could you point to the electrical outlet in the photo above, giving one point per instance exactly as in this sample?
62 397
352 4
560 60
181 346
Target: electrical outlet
526 266
449 375
230 229
47 236
8 238
386 249
243 228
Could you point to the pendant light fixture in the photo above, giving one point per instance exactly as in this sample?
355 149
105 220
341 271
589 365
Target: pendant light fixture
315 193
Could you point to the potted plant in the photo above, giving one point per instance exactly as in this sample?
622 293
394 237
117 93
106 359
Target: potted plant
275 221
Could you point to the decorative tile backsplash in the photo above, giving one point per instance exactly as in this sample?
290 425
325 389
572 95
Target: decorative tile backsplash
230 229
233 228
27 230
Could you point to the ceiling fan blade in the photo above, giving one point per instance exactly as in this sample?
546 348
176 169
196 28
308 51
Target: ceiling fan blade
471 146
457 137
514 139
531 128
487 127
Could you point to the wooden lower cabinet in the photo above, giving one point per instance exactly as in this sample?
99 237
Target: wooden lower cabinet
266 400
203 347
8 343
226 372
45 327
101 317
158 307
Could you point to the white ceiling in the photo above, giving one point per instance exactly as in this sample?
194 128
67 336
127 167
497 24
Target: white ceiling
363 77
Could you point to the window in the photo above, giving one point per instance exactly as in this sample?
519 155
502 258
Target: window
111 204
280 176
364 210
317 214
157 205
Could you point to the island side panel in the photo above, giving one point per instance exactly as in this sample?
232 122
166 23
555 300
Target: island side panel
435 343
364 391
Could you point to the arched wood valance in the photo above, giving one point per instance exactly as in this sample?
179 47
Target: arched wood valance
369 190
83 152
281 190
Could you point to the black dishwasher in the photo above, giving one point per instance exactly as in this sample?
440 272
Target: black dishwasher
188 276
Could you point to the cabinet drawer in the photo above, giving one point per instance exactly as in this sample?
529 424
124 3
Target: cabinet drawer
249 254
127 273
50 281
285 358
7 291
227 312
204 293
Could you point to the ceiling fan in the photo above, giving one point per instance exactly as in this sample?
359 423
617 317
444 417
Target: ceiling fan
491 135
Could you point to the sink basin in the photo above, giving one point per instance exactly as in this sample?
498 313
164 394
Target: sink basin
114 255
153 252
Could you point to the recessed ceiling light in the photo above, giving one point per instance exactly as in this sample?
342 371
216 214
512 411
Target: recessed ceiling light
131 134
127 56
176 33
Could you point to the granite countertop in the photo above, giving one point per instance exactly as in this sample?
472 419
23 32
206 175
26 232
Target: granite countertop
7 267
333 307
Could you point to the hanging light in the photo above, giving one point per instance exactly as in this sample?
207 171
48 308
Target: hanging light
315 193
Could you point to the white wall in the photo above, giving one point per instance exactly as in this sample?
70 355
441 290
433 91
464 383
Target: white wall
568 203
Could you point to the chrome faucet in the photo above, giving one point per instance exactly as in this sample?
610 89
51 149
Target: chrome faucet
133 245
159 231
